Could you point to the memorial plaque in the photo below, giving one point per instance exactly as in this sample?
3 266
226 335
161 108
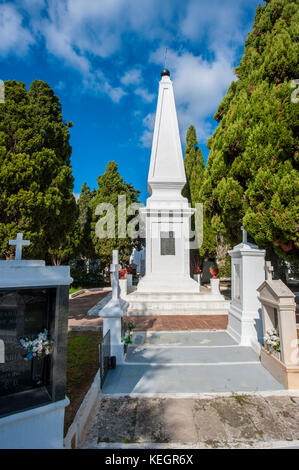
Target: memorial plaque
167 244
23 313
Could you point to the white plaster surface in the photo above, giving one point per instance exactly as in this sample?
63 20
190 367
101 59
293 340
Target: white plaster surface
245 316
39 428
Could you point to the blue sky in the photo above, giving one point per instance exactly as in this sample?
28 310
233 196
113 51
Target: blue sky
103 59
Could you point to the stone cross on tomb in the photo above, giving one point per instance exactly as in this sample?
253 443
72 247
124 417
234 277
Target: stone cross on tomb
114 268
269 270
244 237
19 242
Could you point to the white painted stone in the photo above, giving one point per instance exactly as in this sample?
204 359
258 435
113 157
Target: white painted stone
19 243
215 286
167 287
196 278
278 300
245 315
129 280
113 311
167 210
28 274
39 428
123 288
138 259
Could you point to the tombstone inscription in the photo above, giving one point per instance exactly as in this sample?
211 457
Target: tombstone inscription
23 313
167 243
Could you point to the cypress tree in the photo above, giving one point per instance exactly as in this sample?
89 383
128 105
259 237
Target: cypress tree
193 190
36 180
252 166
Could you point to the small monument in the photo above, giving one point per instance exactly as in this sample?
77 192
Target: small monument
280 352
248 272
113 312
167 212
167 287
33 298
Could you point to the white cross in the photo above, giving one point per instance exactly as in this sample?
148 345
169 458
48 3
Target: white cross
19 242
244 235
114 268
269 269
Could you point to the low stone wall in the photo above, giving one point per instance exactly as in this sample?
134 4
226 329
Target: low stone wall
76 430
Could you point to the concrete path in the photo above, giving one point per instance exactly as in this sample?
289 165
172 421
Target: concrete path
239 421
193 362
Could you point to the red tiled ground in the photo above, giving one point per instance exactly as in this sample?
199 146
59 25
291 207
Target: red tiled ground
175 322
80 305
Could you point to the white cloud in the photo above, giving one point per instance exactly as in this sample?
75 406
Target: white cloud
15 38
147 135
85 35
144 94
199 86
131 77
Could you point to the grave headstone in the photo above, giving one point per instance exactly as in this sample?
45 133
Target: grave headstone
248 272
279 324
113 312
33 298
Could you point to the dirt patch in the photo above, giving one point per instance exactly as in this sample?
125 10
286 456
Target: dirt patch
82 366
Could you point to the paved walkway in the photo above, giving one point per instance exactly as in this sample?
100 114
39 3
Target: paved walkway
193 362
81 304
239 421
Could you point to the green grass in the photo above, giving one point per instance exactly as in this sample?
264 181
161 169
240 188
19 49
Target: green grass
82 366
75 289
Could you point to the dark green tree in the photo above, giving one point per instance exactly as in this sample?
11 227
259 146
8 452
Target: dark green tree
110 186
196 175
85 219
252 167
36 180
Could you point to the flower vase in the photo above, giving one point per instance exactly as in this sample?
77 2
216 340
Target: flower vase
37 371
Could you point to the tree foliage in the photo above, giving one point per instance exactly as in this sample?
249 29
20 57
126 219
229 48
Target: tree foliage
193 190
110 186
252 169
36 180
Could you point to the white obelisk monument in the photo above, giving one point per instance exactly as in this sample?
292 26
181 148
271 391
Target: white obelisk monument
167 288
167 213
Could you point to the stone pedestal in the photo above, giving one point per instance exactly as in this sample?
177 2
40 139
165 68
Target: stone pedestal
215 286
196 278
245 315
123 288
112 315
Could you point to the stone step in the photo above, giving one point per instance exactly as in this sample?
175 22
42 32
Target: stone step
177 309
189 378
183 339
201 355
